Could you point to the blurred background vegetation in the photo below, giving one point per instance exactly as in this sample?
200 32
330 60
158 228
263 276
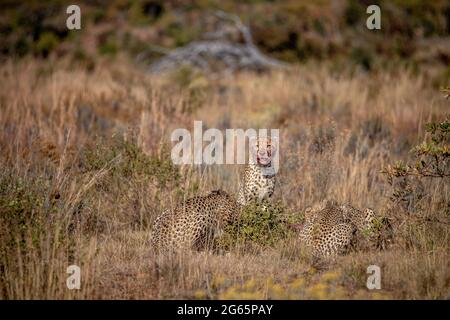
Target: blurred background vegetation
414 32
85 153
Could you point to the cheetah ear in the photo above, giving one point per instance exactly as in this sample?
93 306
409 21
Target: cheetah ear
218 192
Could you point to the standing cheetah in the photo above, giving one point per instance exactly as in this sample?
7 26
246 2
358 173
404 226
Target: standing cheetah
258 177
331 229
195 222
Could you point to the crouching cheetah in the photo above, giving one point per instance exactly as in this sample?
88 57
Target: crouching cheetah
194 223
331 229
258 176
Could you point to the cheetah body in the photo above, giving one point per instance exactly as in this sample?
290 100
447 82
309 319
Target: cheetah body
255 184
194 223
331 229
258 176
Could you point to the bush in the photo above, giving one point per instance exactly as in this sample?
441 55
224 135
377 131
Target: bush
431 161
46 43
259 224
128 160
24 208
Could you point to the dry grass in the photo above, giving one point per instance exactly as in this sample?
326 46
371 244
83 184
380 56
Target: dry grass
85 170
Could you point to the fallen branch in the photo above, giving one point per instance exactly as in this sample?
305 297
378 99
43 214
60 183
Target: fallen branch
234 56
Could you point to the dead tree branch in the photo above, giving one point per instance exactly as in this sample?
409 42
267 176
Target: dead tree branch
234 56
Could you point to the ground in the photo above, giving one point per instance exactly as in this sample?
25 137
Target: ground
86 169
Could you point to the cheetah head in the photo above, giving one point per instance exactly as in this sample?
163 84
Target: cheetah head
225 204
262 150
219 192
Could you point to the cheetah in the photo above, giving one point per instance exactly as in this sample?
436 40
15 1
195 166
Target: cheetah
258 176
194 223
331 229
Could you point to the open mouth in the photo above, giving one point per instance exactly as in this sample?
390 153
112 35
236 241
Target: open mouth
265 162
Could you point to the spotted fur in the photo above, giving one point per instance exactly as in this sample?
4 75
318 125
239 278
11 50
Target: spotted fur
194 223
331 229
258 176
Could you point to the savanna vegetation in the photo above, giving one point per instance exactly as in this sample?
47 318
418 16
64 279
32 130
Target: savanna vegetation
85 148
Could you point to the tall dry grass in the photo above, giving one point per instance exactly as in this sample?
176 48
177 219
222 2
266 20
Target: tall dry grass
86 169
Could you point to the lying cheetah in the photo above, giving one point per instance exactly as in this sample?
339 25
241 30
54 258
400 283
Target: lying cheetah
258 177
330 229
195 222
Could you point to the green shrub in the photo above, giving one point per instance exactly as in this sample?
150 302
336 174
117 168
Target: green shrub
26 207
354 12
431 161
128 160
46 43
259 223
363 57
136 14
109 46
432 155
